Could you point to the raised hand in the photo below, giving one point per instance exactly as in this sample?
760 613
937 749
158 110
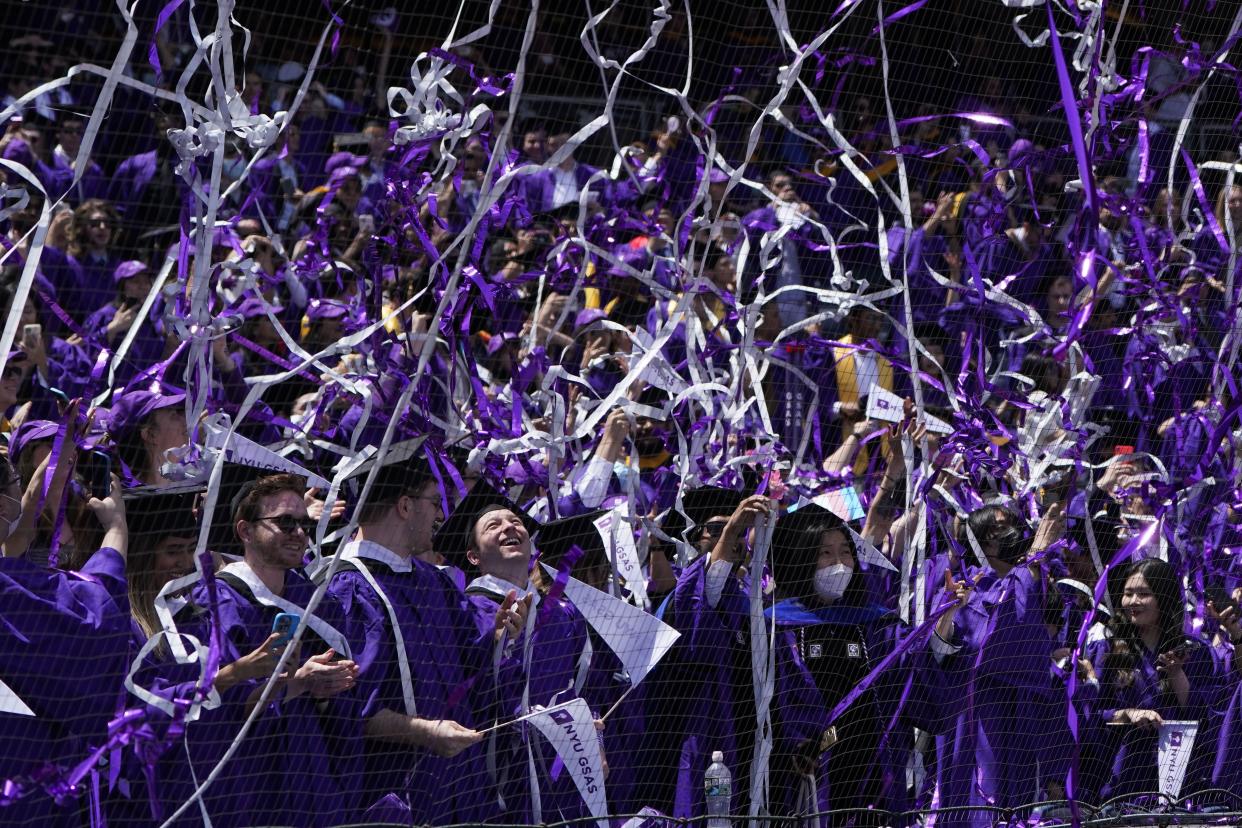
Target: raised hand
511 616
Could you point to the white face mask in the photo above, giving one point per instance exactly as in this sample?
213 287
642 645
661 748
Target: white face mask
831 581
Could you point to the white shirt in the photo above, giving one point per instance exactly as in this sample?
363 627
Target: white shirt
566 189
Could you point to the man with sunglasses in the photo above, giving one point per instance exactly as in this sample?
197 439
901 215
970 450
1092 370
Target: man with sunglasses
417 645
304 740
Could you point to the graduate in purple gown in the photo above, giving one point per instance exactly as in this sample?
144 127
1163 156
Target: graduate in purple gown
424 668
55 363
296 762
64 650
1151 670
710 608
1010 744
560 185
835 632
494 535
83 271
144 423
1017 260
913 254
108 326
163 533
58 176
146 188
1225 771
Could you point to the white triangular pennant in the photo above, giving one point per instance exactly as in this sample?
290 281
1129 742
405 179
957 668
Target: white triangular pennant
246 452
10 702
570 728
638 638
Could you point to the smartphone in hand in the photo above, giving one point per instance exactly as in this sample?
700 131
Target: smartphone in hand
284 624
98 472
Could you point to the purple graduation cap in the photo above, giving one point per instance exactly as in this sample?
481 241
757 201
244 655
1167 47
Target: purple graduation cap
456 535
29 433
342 165
587 317
132 406
326 309
128 269
252 307
343 160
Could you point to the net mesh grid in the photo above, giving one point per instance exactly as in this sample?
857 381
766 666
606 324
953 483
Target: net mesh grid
570 393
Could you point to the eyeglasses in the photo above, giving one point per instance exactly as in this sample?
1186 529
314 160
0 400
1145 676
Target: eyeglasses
430 498
288 524
103 222
11 372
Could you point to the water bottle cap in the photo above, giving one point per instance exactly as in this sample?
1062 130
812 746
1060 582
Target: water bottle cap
718 756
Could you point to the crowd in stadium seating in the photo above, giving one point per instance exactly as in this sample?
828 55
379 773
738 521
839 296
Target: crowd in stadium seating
973 619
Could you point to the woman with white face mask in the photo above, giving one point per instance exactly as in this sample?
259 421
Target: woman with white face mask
826 616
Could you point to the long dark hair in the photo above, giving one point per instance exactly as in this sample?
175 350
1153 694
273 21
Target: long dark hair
1162 579
795 564
1126 645
80 224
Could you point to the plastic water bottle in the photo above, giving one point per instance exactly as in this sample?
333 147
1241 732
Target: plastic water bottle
718 789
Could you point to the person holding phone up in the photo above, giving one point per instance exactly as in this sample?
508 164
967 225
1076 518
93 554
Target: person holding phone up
290 767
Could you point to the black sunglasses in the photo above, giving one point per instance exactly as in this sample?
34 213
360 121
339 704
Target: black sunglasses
288 524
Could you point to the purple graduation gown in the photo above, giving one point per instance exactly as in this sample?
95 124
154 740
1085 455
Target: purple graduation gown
1011 737
718 704
448 660
83 285
64 650
1130 753
557 673
297 764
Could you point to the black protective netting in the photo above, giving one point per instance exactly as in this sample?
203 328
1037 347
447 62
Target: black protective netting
635 413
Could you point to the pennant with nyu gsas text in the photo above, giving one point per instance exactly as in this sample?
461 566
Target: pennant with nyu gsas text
570 729
618 539
246 452
1177 740
639 639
